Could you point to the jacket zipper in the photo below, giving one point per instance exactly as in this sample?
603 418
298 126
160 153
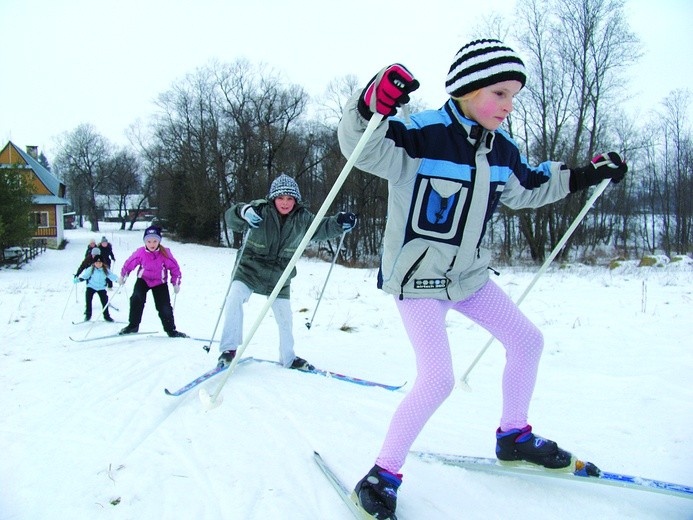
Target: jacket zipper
410 272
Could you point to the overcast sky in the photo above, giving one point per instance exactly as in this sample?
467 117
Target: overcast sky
101 62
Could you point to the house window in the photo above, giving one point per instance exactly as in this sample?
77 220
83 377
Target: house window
40 218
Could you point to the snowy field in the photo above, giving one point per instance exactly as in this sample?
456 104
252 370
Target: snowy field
88 433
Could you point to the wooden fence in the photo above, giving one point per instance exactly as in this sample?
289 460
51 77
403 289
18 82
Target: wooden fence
19 255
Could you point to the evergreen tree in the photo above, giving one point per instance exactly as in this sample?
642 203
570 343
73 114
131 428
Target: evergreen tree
15 208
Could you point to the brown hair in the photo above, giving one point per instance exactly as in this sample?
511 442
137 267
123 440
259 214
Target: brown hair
163 250
104 267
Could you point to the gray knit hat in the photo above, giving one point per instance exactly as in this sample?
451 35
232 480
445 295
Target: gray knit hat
482 63
284 185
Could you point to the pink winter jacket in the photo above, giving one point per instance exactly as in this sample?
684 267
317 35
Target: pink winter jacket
153 267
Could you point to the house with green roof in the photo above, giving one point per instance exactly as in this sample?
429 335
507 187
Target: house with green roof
48 192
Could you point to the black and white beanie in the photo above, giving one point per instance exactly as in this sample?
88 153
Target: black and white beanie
482 63
284 185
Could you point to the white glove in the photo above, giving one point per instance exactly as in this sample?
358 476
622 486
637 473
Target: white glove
122 280
176 288
248 214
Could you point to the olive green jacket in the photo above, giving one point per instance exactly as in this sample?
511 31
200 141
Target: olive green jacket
270 246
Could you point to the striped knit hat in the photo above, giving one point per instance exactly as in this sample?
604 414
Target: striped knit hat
284 185
482 63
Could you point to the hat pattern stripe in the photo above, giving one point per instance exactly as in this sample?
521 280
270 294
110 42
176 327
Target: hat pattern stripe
479 55
471 76
482 63
488 58
478 64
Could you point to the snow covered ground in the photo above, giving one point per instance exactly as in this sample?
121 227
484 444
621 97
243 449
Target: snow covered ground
87 432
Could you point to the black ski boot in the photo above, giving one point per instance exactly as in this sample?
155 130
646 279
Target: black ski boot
176 334
130 329
301 364
376 493
226 357
522 445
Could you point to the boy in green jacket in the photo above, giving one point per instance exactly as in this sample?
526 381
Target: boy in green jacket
277 224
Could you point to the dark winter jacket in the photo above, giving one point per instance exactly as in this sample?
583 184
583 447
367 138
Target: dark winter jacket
270 246
89 255
107 253
446 175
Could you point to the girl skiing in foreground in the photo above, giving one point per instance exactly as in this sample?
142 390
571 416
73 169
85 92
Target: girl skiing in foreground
447 170
154 263
96 277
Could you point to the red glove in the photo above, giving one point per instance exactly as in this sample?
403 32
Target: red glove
388 90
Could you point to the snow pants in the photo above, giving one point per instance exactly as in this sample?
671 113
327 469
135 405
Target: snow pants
424 321
162 301
232 335
90 296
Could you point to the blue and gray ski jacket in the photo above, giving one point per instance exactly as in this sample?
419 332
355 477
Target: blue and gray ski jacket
446 175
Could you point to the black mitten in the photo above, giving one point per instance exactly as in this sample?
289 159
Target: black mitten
604 166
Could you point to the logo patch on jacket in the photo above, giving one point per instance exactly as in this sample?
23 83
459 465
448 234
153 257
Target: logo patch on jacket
430 283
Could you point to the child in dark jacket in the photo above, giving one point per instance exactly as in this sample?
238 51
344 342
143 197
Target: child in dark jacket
107 255
277 226
106 251
96 276
154 263
89 254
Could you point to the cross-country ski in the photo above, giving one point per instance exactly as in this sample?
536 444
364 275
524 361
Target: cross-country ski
220 368
491 465
111 336
342 490
338 376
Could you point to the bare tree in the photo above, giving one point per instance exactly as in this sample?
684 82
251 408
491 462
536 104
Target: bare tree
181 158
331 105
262 113
124 181
676 162
85 161
573 49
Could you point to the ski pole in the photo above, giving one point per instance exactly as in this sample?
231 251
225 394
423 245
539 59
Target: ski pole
588 205
372 125
68 300
336 254
105 308
228 289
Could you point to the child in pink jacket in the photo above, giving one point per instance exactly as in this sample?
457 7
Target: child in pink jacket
154 263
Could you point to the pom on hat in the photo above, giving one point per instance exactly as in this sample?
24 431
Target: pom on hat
103 239
482 63
152 231
284 185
